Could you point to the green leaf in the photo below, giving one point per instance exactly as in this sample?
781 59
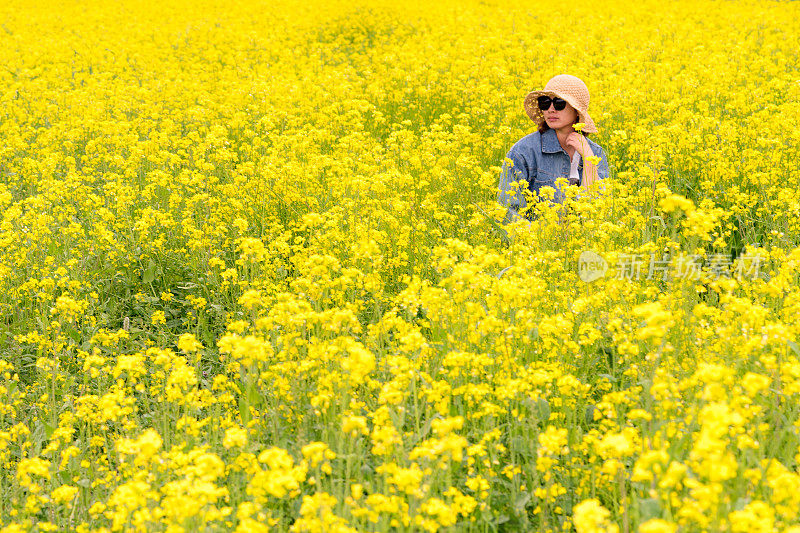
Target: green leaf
649 508
244 411
795 348
73 334
150 272
494 225
544 409
588 415
426 427
522 501
741 503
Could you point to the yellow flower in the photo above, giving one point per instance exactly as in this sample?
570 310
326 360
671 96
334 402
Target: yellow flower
188 343
657 525
336 233
316 452
757 516
353 425
616 445
553 441
445 426
141 449
14 528
676 201
591 517
251 299
32 466
407 480
158 318
235 437
64 493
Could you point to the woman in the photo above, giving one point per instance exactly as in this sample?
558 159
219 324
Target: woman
560 147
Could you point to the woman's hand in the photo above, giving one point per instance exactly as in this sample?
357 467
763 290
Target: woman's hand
578 142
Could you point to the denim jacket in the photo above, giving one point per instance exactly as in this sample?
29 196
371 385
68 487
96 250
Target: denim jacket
537 161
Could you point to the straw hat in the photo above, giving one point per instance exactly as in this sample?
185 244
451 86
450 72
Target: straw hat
571 89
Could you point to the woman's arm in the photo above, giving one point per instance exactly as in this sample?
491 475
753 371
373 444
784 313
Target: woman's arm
595 165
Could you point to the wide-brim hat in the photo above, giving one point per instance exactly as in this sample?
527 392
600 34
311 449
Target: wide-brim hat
571 89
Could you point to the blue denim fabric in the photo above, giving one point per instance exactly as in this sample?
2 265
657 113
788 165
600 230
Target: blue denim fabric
537 161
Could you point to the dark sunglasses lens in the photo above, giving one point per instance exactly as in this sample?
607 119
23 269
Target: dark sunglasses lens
559 104
544 102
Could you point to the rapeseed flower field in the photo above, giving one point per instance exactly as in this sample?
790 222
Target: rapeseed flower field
252 276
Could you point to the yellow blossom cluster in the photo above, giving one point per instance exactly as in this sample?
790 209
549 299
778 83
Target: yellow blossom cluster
253 275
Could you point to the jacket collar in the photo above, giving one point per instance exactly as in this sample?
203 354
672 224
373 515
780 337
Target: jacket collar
550 142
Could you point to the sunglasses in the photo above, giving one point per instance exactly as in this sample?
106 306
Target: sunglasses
545 101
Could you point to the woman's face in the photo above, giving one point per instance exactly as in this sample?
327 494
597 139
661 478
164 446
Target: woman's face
559 119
